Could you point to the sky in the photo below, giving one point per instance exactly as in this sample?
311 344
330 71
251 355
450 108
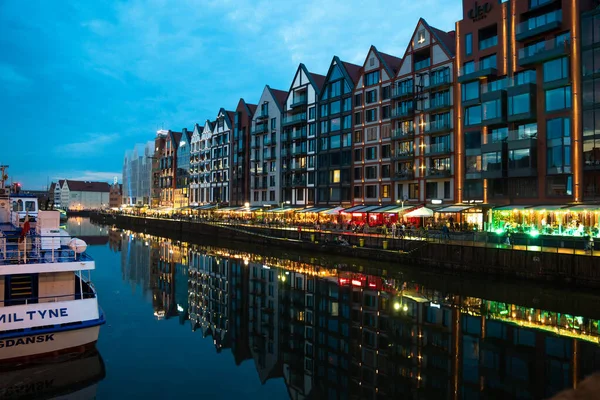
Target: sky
83 81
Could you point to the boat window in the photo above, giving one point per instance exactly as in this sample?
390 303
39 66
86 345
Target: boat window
19 205
30 206
14 206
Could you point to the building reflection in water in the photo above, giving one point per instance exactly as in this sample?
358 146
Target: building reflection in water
333 333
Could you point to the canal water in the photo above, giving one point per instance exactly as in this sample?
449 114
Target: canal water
226 321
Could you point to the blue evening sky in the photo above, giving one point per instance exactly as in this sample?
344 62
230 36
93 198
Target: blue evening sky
83 81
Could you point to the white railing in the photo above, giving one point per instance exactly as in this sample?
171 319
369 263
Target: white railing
35 249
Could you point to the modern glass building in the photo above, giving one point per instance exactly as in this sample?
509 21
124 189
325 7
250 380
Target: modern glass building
137 174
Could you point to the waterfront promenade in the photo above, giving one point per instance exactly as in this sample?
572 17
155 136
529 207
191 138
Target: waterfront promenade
463 254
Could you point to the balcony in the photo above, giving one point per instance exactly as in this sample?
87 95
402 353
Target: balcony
299 100
437 173
297 167
518 171
438 82
487 43
493 171
403 112
400 134
548 50
403 155
404 175
439 126
538 25
294 119
400 92
521 140
269 141
262 128
259 186
299 151
263 115
476 71
438 104
422 64
299 134
255 145
285 152
438 149
285 136
299 181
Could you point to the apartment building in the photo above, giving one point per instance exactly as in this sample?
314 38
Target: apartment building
220 167
423 117
372 128
334 147
182 172
205 165
520 130
137 174
265 149
239 180
590 85
299 137
168 169
196 158
159 147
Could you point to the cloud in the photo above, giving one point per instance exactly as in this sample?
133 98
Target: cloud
9 76
94 143
87 176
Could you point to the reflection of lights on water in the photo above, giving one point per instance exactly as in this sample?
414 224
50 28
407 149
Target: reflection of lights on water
396 306
179 308
405 308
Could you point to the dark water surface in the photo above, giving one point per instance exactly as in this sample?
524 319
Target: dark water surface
199 321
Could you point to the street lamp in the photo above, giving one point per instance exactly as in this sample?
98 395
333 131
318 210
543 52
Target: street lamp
285 202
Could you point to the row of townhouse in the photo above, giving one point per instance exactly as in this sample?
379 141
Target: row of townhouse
501 110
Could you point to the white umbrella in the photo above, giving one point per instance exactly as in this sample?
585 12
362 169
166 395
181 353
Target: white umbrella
420 212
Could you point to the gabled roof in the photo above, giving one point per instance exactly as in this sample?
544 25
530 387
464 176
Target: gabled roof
175 138
390 63
251 108
198 128
231 116
52 187
316 80
61 182
353 70
350 71
446 40
85 186
279 96
319 80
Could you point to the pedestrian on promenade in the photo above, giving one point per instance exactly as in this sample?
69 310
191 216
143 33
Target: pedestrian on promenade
445 232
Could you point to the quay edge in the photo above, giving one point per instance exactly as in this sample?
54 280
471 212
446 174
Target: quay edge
572 270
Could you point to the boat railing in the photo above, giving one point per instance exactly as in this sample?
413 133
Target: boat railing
37 249
48 299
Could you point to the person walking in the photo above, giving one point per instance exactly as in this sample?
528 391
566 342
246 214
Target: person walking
445 232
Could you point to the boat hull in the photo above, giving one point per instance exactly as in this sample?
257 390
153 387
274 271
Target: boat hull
47 344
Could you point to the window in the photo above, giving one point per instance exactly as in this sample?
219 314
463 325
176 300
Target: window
358 100
371 191
559 185
324 110
491 161
519 104
371 115
335 89
334 107
372 78
556 69
312 129
347 104
385 112
334 125
468 44
357 118
558 157
488 62
335 142
413 191
385 191
273 123
492 109
371 172
590 62
347 122
335 176
385 151
558 128
385 92
324 127
447 190
371 134
358 137
473 115
357 192
521 158
358 173
358 155
385 171
470 91
468 68
371 96
371 153
558 99
431 190
311 113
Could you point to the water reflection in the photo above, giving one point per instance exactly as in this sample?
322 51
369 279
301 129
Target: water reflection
338 333
73 376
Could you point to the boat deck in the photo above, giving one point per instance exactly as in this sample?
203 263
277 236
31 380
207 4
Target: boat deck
35 249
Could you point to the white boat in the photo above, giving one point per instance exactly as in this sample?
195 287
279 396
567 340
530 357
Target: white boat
47 306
